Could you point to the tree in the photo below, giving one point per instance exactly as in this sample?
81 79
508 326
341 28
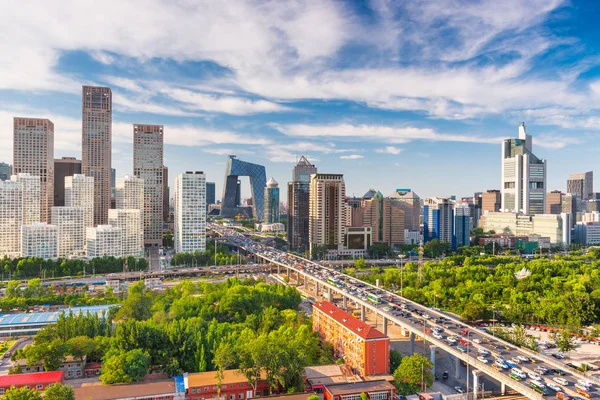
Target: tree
59 391
364 396
22 394
519 335
395 359
360 263
412 373
313 397
13 289
224 359
125 367
138 305
435 248
379 250
564 342
81 346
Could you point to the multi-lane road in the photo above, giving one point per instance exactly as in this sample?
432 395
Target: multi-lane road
530 373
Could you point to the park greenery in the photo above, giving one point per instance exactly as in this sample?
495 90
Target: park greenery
207 257
413 374
561 291
253 326
55 391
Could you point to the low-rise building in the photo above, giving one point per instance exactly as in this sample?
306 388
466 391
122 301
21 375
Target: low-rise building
365 349
36 381
375 390
169 389
587 233
234 386
72 367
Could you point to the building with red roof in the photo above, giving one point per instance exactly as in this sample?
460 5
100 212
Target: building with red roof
36 381
363 348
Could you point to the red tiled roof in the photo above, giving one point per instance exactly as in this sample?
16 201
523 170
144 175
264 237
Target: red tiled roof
37 378
357 326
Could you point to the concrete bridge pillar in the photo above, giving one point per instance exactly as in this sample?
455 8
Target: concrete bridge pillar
457 368
363 313
432 349
288 274
345 302
317 288
411 339
502 388
329 294
278 269
305 282
476 374
385 325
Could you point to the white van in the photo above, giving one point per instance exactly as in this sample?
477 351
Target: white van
519 373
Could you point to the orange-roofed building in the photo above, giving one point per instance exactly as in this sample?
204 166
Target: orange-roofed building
363 348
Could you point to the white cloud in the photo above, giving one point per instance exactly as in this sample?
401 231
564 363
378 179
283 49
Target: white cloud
389 150
351 157
554 142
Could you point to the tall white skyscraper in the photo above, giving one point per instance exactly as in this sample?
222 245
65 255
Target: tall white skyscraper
39 240
79 192
104 240
132 230
71 230
11 217
523 176
31 197
327 210
130 193
190 212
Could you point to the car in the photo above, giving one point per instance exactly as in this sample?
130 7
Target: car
483 359
501 364
459 389
533 360
519 373
563 396
584 393
483 351
507 347
585 383
445 375
534 376
514 376
451 340
462 348
561 381
478 341
541 370
496 367
523 358
554 387
437 336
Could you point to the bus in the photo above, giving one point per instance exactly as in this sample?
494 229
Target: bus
332 281
538 387
374 298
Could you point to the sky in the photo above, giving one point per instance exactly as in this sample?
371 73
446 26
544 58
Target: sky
392 94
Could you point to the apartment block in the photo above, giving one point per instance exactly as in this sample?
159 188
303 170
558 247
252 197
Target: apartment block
31 197
581 184
33 153
327 210
11 218
71 230
130 193
362 347
132 230
385 218
39 240
410 203
104 240
190 212
80 192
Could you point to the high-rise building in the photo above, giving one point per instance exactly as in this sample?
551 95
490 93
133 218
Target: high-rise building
96 131
80 192
581 184
523 176
148 165
130 193
327 210
410 203
31 197
463 224
491 201
384 217
104 240
231 189
33 153
438 219
5 171
11 218
71 230
272 202
132 230
113 188
63 167
554 202
210 194
190 212
298 205
39 240
166 195
569 204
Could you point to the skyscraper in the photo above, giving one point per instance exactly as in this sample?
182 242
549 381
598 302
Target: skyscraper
327 210
148 165
132 230
63 167
299 204
33 153
581 184
31 197
79 192
71 230
96 132
463 224
554 202
438 219
272 202
5 171
231 189
410 203
130 193
523 176
166 194
190 212
210 194
104 240
11 218
386 219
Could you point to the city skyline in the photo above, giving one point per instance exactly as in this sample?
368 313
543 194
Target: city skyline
380 91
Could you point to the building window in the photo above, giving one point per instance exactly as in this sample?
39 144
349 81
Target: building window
378 396
231 386
206 388
1 390
240 396
39 387
232 397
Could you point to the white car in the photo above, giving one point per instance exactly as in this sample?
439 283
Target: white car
518 373
437 336
483 360
450 339
478 341
534 376
483 352
561 381
585 383
554 387
523 358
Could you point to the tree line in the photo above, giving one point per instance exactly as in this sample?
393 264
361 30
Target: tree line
207 257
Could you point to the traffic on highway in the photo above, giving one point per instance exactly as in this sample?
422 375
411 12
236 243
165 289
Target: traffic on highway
539 373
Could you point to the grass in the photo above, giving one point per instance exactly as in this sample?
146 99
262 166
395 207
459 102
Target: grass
7 344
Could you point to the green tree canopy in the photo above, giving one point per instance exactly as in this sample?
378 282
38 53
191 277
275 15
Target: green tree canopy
22 394
412 372
59 391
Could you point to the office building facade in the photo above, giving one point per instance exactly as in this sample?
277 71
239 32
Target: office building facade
230 205
5 171
148 165
39 240
587 233
554 202
132 230
96 146
272 202
104 240
33 153
491 201
327 210
31 197
523 176
581 184
166 195
210 194
11 218
385 218
299 204
410 203
190 212
438 219
71 230
63 167
130 193
463 224
80 192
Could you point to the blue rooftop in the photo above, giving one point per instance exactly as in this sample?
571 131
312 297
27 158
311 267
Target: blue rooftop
179 384
44 318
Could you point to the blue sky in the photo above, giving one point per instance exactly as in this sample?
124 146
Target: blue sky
392 94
